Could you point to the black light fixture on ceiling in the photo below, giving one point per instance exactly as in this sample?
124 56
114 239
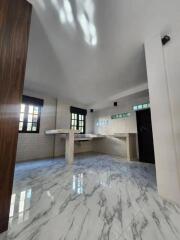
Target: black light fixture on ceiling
92 110
165 39
115 104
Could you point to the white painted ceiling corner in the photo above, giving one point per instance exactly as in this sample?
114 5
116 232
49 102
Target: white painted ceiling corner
115 98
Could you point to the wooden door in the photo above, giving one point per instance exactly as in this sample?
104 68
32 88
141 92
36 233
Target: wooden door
15 16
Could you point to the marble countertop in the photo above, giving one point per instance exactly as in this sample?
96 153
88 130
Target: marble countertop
87 137
123 135
78 137
61 131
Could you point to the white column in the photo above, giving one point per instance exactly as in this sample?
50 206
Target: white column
172 62
69 148
168 180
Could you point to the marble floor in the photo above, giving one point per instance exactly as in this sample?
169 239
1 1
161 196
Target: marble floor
100 197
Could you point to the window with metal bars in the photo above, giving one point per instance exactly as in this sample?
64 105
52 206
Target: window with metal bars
30 114
78 119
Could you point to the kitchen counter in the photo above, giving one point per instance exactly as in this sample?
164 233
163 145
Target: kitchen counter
69 138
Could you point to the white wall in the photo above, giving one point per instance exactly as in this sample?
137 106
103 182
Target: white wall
36 146
111 145
125 125
172 60
163 79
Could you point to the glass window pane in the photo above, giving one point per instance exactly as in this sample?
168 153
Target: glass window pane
36 110
22 117
22 107
140 107
34 127
29 126
20 126
145 105
31 109
30 117
135 108
34 124
35 118
81 123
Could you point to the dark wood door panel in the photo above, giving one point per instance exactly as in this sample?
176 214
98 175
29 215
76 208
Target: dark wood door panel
15 16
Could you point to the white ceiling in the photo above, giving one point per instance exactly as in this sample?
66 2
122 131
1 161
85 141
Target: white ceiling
124 104
87 52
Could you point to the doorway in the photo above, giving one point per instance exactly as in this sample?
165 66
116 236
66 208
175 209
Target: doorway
145 136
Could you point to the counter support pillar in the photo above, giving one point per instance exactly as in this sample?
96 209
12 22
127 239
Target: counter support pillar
69 151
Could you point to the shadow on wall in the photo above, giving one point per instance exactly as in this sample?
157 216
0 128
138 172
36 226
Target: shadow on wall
111 145
42 63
